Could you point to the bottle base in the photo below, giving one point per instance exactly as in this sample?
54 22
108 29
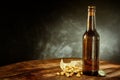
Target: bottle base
90 73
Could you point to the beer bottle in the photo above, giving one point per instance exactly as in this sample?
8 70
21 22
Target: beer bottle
91 40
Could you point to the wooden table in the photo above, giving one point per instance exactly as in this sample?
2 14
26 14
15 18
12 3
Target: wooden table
46 70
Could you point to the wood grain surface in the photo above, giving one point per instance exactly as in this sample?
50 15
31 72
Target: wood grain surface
47 69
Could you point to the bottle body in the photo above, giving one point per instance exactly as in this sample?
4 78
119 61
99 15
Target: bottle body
90 53
91 41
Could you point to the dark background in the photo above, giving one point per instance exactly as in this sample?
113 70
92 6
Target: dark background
53 29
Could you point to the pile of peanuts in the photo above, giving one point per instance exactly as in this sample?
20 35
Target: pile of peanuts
69 71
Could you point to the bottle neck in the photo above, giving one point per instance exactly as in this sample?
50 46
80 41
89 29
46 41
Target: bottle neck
91 20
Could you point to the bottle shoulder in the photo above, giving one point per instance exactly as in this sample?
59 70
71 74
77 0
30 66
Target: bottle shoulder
91 33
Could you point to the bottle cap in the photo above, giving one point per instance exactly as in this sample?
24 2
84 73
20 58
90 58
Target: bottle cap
101 73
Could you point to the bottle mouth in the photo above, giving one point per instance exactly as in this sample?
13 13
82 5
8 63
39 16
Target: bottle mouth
91 8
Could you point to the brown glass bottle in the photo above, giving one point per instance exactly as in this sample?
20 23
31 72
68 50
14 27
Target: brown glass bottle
91 45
